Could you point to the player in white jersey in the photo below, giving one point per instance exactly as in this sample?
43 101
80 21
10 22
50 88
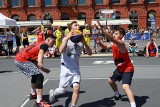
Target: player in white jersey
70 72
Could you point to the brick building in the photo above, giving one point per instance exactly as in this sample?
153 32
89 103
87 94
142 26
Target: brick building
143 13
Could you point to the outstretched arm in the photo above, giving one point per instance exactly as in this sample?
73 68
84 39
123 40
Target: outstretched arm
120 44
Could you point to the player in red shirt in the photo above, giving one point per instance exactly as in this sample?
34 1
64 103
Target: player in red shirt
125 69
30 62
152 49
40 35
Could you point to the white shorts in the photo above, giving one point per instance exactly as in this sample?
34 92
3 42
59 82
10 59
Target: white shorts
69 77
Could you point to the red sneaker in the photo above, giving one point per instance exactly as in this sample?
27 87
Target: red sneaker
42 104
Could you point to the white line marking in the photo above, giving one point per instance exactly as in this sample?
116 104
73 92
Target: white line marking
28 95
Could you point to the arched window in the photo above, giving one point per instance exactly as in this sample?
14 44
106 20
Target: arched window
31 17
82 16
65 16
151 19
64 2
97 16
48 2
134 18
15 17
31 3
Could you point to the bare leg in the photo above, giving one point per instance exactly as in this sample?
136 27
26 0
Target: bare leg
75 95
113 85
129 92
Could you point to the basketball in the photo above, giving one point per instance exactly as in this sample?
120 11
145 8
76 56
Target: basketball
77 37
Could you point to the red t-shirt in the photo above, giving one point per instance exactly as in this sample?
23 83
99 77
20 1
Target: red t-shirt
152 50
40 37
30 53
122 60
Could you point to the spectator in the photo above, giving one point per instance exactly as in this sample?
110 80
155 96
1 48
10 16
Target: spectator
40 34
86 34
25 38
95 33
132 47
67 30
18 40
59 35
9 39
152 49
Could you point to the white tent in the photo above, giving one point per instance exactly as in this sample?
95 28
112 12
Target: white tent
113 22
6 21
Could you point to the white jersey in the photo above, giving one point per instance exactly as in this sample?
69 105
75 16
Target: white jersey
70 57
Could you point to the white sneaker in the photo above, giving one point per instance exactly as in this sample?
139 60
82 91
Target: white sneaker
51 96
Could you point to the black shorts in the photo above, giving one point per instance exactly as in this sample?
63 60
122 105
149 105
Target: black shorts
125 77
10 43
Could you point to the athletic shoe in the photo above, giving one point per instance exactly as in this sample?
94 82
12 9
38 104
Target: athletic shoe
51 96
42 104
119 97
31 97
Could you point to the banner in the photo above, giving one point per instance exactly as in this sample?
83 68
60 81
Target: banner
137 36
32 38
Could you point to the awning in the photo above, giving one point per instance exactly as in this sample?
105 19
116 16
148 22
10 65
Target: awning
65 22
113 22
33 23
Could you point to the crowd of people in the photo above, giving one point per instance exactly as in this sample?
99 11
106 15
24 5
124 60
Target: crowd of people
88 33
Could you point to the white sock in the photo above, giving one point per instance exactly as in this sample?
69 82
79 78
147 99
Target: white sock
117 93
39 98
133 104
73 105
33 91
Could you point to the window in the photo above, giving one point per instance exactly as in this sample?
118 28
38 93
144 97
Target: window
133 16
65 16
97 16
151 0
98 1
31 17
48 2
82 16
0 3
15 17
115 1
64 2
14 3
31 2
133 1
81 2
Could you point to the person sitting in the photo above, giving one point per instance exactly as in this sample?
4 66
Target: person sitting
132 47
152 49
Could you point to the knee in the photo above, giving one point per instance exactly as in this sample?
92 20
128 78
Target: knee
76 88
125 87
110 81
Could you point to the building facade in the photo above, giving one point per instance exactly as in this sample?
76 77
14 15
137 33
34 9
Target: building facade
142 13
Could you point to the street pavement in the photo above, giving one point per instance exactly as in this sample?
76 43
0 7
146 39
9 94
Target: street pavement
95 91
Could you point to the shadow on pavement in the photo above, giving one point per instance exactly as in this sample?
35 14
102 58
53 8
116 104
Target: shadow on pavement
5 71
68 94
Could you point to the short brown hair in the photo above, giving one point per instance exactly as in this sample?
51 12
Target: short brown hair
70 25
121 31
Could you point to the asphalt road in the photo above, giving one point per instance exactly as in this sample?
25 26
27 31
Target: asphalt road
95 91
